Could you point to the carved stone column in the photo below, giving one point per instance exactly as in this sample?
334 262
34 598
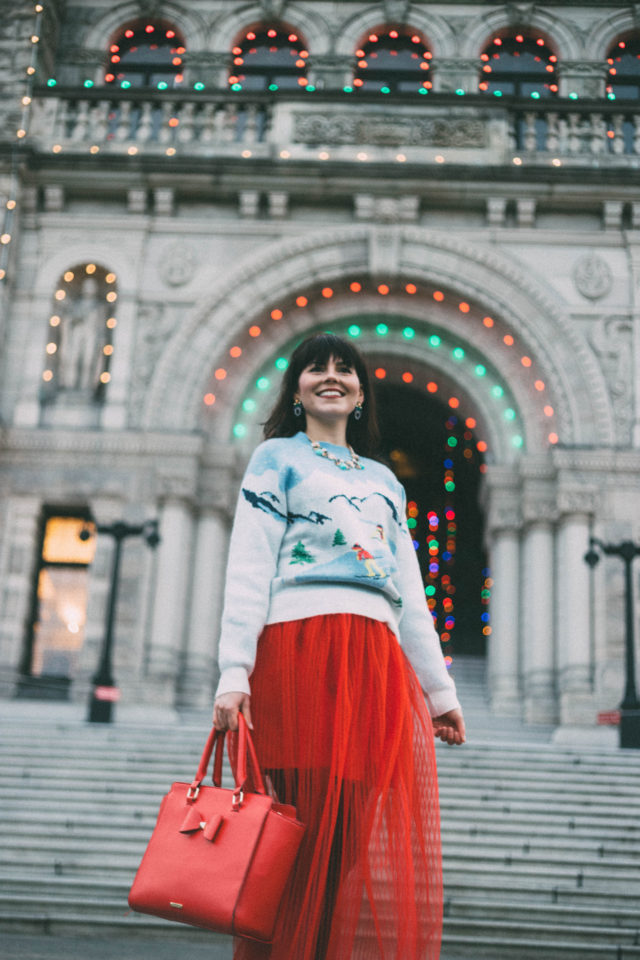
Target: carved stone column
173 573
538 623
538 590
502 497
19 529
573 619
199 673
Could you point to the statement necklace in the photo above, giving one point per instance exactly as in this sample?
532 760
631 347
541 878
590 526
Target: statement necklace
352 463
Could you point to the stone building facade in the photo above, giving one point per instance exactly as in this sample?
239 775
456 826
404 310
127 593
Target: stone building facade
173 226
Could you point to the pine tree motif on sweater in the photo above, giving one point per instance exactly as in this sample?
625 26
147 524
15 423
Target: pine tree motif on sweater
300 554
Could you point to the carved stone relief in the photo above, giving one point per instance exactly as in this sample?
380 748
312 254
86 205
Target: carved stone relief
177 264
612 340
436 131
592 276
154 329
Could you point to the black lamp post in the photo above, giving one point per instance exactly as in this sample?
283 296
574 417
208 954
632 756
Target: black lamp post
630 706
104 691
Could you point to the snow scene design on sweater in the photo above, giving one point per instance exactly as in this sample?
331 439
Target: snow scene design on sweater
310 539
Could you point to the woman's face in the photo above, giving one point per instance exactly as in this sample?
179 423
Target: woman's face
329 391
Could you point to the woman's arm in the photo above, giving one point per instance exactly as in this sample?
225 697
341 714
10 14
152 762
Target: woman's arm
259 526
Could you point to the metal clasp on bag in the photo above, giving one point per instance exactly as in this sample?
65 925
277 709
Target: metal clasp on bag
192 793
237 800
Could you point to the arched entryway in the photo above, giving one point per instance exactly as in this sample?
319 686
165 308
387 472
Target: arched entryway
431 449
468 329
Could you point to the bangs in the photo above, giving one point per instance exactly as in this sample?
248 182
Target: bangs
321 348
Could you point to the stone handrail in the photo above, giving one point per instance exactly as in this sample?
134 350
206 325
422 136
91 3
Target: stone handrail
474 129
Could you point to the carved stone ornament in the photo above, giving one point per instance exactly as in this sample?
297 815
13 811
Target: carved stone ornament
362 128
592 276
178 263
272 9
396 11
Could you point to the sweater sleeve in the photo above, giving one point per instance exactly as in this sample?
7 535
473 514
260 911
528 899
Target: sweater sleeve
418 635
258 528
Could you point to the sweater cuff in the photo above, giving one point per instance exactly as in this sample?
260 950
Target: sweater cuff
233 680
441 701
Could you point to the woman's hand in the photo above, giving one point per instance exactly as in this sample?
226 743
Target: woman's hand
226 710
449 727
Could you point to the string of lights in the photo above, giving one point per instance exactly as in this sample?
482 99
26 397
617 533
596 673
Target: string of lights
485 329
26 100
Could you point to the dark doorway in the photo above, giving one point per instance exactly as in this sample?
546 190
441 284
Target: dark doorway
433 453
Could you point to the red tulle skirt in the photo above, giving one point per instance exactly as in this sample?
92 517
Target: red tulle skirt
342 729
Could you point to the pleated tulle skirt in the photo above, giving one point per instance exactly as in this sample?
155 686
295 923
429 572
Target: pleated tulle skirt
342 730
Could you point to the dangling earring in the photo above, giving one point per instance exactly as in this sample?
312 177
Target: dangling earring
357 413
297 407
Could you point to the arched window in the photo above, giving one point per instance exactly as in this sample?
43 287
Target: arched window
623 75
80 343
269 58
393 60
519 64
146 54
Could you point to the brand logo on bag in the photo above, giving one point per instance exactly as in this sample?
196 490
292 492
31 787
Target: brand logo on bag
178 906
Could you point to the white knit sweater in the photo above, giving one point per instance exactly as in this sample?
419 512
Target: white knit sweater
310 538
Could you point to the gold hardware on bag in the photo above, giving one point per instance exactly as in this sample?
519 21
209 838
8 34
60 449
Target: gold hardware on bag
178 906
193 794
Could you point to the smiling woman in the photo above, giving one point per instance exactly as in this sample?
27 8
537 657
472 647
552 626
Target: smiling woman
327 642
329 392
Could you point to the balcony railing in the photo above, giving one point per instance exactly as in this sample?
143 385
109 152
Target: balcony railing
473 129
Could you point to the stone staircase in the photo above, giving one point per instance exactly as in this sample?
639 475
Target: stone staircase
541 842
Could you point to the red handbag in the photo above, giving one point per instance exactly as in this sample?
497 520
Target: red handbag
219 858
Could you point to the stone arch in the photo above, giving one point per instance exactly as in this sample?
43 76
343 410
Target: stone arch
175 396
604 32
395 353
86 252
433 27
311 26
564 37
191 25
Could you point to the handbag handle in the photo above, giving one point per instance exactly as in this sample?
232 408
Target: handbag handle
245 747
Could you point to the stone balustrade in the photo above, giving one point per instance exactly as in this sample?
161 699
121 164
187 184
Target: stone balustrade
472 129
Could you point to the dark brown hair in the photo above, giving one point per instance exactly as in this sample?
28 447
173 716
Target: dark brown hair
363 434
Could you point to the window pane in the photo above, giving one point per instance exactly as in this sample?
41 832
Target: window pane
59 633
62 543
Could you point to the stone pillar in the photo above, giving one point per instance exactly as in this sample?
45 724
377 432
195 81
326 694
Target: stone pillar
217 491
503 656
19 529
173 574
199 672
573 619
538 667
502 498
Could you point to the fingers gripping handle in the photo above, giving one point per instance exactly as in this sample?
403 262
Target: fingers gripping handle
244 747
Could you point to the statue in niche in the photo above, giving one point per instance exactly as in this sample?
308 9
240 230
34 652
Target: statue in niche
83 335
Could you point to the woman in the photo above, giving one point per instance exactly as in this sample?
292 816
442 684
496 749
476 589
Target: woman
327 642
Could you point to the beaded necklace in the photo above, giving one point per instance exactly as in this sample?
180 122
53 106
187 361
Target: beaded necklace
352 463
